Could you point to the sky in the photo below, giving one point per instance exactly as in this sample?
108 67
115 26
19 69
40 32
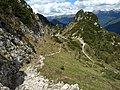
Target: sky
66 7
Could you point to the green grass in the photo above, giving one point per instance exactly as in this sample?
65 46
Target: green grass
86 74
72 66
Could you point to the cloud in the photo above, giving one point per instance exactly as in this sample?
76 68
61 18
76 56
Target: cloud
52 7
63 7
91 5
44 1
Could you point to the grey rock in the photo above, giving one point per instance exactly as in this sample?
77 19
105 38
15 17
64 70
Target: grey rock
35 81
3 87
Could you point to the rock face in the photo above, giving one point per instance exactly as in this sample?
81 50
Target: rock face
13 53
15 47
3 87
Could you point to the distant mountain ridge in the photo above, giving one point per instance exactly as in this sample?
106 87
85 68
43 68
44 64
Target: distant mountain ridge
113 26
104 18
65 19
110 20
56 22
107 16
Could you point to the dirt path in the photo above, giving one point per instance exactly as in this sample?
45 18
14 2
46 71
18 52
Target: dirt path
83 48
81 41
35 81
51 54
58 35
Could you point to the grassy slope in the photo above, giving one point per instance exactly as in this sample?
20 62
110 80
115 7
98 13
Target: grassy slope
72 66
66 67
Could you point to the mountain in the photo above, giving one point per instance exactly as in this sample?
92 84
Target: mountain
56 22
107 16
109 20
87 55
24 39
104 18
113 26
34 55
65 19
43 19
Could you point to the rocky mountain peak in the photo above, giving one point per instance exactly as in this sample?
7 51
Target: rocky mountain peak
79 15
83 23
85 16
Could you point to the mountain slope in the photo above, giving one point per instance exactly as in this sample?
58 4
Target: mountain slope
20 28
104 18
89 55
65 19
56 22
113 26
87 27
15 49
80 55
23 38
107 16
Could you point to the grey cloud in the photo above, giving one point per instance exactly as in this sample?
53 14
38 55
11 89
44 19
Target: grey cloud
61 7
